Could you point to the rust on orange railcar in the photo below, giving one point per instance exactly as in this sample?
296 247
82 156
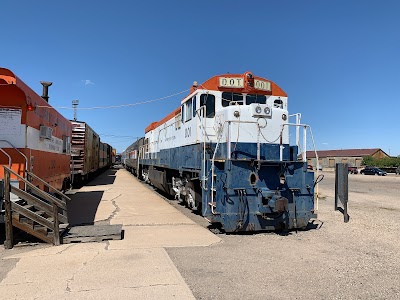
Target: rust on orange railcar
23 113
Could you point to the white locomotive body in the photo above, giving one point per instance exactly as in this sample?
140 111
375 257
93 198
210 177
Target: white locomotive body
226 151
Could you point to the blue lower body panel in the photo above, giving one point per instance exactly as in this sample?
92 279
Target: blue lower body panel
246 197
244 194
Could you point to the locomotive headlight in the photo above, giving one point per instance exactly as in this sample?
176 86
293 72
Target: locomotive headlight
258 109
267 110
236 113
284 117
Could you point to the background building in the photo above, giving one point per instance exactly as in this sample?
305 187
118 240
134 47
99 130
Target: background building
354 157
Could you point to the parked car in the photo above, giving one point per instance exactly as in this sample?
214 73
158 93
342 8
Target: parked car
353 170
398 170
309 167
318 167
373 171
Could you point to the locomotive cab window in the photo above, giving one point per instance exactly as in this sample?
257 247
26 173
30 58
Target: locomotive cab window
194 106
255 99
231 99
178 122
188 110
208 101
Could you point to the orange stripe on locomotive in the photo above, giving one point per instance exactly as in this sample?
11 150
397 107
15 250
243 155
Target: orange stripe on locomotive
212 84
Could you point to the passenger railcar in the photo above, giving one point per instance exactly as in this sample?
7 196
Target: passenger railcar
226 151
33 135
130 157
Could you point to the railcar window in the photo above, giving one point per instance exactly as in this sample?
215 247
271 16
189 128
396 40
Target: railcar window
227 98
256 99
194 106
208 101
188 110
66 144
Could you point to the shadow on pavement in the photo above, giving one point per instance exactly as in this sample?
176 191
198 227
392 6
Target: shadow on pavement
83 206
340 209
107 177
2 234
19 236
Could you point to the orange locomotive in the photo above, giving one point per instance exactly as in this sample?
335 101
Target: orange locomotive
33 135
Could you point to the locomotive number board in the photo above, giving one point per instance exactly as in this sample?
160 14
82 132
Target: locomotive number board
262 85
237 82
231 82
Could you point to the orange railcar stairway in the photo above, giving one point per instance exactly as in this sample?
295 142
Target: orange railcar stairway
34 211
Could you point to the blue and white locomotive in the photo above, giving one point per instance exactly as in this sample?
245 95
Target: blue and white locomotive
225 152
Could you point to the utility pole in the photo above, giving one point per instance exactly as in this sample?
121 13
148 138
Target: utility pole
74 105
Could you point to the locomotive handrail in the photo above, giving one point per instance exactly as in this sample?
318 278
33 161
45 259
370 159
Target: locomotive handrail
304 148
26 159
9 157
258 137
200 110
304 140
298 120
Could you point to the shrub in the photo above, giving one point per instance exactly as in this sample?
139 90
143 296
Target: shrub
385 162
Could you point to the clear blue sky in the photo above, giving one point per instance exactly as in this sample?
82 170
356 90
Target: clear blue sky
339 61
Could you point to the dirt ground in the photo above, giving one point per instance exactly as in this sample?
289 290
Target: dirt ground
355 260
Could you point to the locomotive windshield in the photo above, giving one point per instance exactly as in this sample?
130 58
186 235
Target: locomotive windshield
231 97
227 98
250 98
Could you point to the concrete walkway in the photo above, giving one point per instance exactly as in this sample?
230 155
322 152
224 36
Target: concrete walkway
136 267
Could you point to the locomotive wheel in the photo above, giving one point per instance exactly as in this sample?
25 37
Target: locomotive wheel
191 197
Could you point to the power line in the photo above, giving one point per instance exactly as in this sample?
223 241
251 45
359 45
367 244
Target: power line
116 106
119 136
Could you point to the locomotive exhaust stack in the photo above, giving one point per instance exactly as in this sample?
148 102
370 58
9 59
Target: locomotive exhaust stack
46 85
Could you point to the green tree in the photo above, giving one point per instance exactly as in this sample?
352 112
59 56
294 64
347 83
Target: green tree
368 161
